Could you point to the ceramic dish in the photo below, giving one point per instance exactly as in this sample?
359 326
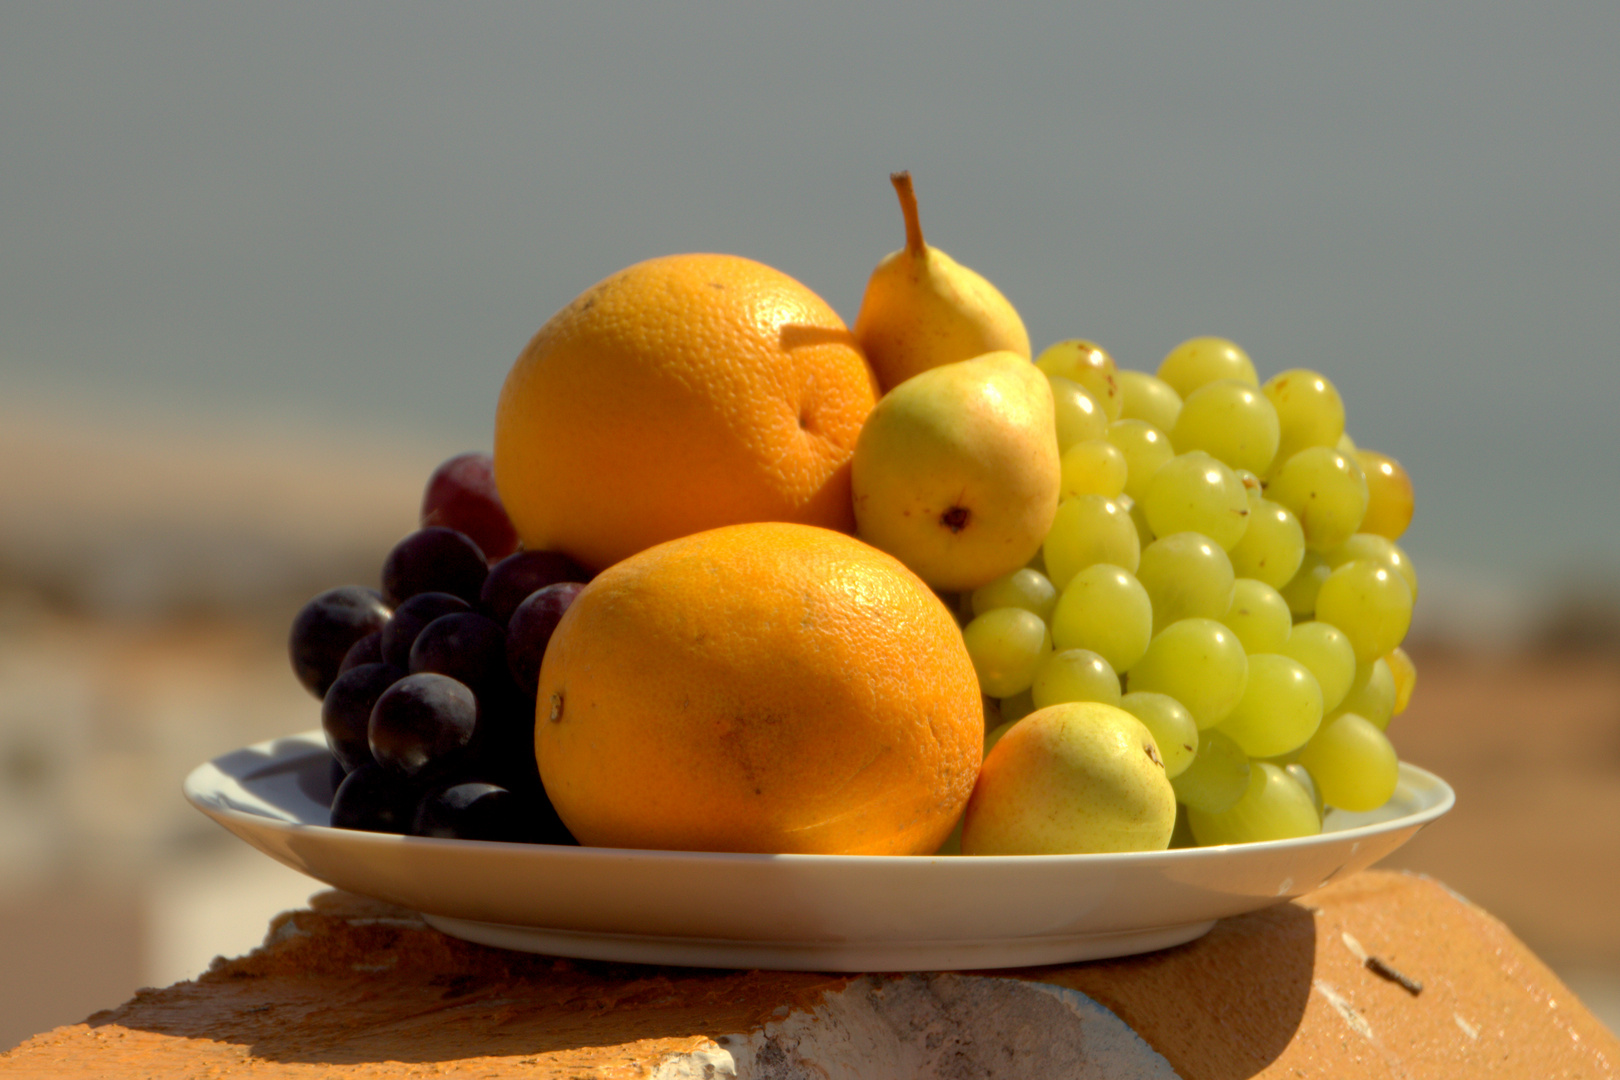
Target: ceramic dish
803 912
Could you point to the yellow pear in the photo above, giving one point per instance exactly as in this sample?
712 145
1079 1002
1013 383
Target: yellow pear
1075 778
922 308
956 470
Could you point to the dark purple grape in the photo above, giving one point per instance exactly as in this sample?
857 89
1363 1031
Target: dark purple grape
410 618
503 751
422 722
434 559
548 827
368 650
530 630
374 800
325 629
461 495
346 711
515 577
474 810
336 774
464 646
487 810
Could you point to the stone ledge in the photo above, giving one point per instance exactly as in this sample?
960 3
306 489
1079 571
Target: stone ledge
1383 974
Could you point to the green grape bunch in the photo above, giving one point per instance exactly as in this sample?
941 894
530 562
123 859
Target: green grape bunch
1224 565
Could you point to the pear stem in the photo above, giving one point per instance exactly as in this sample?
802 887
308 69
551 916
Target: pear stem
908 206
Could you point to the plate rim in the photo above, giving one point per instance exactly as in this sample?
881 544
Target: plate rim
728 909
312 741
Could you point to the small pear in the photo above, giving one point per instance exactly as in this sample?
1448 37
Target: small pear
923 309
956 470
1074 778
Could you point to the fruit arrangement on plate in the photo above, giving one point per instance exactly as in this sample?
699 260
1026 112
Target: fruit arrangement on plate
739 578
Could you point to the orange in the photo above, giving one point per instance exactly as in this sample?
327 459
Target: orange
764 687
680 394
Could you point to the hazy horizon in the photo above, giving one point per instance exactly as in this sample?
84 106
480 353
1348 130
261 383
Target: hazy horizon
356 216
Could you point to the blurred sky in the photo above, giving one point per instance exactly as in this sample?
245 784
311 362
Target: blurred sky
357 214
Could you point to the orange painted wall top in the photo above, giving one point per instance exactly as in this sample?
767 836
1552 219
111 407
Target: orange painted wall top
1381 975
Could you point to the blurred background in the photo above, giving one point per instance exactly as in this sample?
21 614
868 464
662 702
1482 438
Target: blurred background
265 266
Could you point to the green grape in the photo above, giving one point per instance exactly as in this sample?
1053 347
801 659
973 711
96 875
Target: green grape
1327 653
995 735
1146 450
1148 397
1404 673
1092 467
1088 364
1089 529
1006 646
1232 422
1217 776
1326 492
1345 445
1272 546
1280 710
1171 726
1074 675
1200 663
1352 762
1302 776
1144 531
1283 759
1104 608
1186 575
1015 707
1389 494
1078 415
1037 563
1181 835
1274 807
1259 616
1403 565
1202 360
1372 693
1025 588
1301 589
1370 603
1375 548
1193 492
1309 411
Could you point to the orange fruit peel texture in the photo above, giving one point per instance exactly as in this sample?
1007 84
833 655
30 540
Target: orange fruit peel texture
768 687
680 394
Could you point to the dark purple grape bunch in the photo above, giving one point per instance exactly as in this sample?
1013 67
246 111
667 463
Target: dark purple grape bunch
427 687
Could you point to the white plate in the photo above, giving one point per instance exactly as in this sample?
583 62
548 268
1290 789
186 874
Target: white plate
800 912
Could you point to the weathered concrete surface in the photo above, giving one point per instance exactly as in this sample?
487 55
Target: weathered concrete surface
352 988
